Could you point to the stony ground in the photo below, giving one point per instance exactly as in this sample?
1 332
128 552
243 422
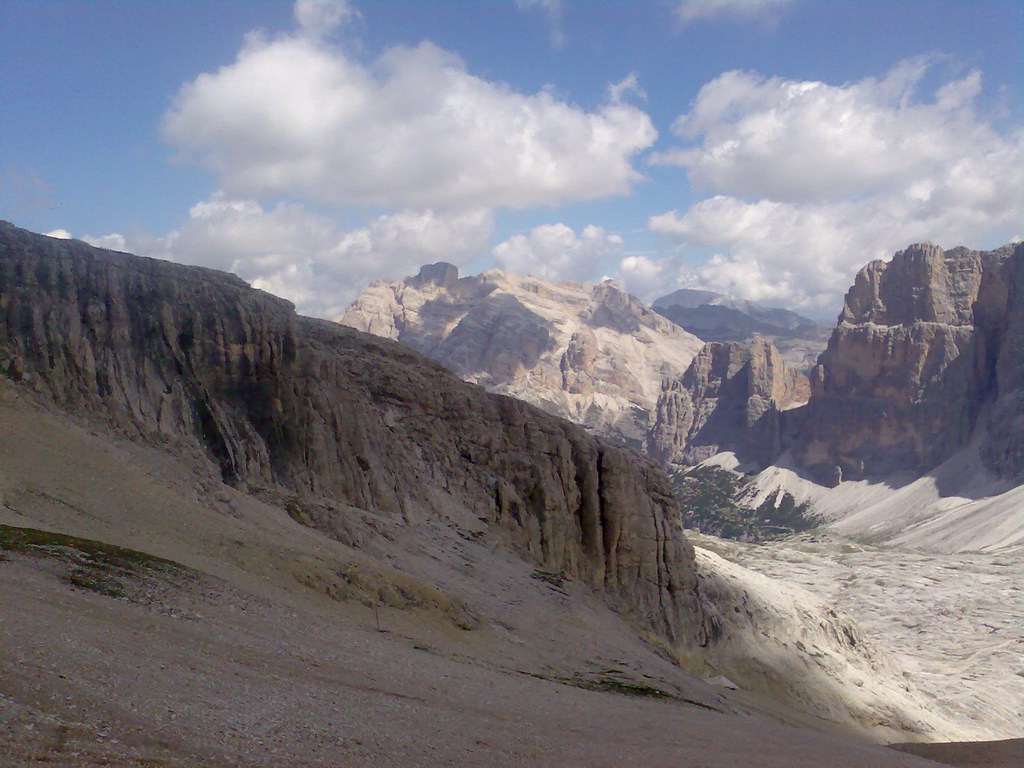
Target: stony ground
956 621
261 648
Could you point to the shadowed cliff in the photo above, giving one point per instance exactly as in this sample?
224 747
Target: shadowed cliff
288 405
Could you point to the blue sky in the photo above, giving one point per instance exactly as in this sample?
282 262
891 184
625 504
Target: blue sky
766 148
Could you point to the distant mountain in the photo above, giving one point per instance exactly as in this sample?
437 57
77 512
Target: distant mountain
914 426
714 317
590 353
226 500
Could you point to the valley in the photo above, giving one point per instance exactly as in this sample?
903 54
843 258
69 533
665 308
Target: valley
215 502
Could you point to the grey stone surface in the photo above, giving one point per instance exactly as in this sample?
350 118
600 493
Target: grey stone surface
730 398
294 406
926 353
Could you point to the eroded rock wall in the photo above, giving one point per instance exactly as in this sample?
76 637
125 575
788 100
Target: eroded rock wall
299 406
914 365
730 398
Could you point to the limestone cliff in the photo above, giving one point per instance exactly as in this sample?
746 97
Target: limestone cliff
289 406
926 353
926 356
590 353
730 398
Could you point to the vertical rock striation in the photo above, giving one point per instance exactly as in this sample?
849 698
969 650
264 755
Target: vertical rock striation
924 347
730 398
288 405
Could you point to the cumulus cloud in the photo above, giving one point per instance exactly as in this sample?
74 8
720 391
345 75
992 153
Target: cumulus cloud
294 116
798 141
814 180
689 11
553 10
303 256
556 252
321 17
113 242
60 234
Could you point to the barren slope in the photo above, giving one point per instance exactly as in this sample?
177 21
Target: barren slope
260 653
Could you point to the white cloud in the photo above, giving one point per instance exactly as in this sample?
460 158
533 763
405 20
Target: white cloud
304 257
792 140
815 180
701 10
553 10
60 234
622 90
114 242
556 252
320 17
293 116
650 278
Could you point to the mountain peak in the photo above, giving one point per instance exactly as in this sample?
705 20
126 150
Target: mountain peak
440 273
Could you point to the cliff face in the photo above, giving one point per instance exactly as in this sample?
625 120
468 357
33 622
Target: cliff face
590 353
730 398
291 406
926 351
928 354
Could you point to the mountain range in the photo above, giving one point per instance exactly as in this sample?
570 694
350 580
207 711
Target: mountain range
590 353
233 535
920 370
714 317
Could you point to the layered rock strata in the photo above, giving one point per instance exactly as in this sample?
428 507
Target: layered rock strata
590 353
292 406
927 353
730 398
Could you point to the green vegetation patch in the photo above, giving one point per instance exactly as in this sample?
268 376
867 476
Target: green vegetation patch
102 568
716 501
607 683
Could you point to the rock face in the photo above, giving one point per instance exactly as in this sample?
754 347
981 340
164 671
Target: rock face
590 353
289 406
730 398
714 317
927 352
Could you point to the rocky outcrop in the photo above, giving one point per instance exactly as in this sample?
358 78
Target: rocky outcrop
289 406
926 352
590 353
730 398
928 355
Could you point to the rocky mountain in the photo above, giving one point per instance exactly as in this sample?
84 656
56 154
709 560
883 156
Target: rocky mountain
294 407
714 317
927 355
732 394
916 407
272 510
590 353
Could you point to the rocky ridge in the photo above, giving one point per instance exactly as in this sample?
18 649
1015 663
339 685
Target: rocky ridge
590 353
925 358
926 355
294 408
730 398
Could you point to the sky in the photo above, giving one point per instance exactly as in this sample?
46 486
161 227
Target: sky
762 148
